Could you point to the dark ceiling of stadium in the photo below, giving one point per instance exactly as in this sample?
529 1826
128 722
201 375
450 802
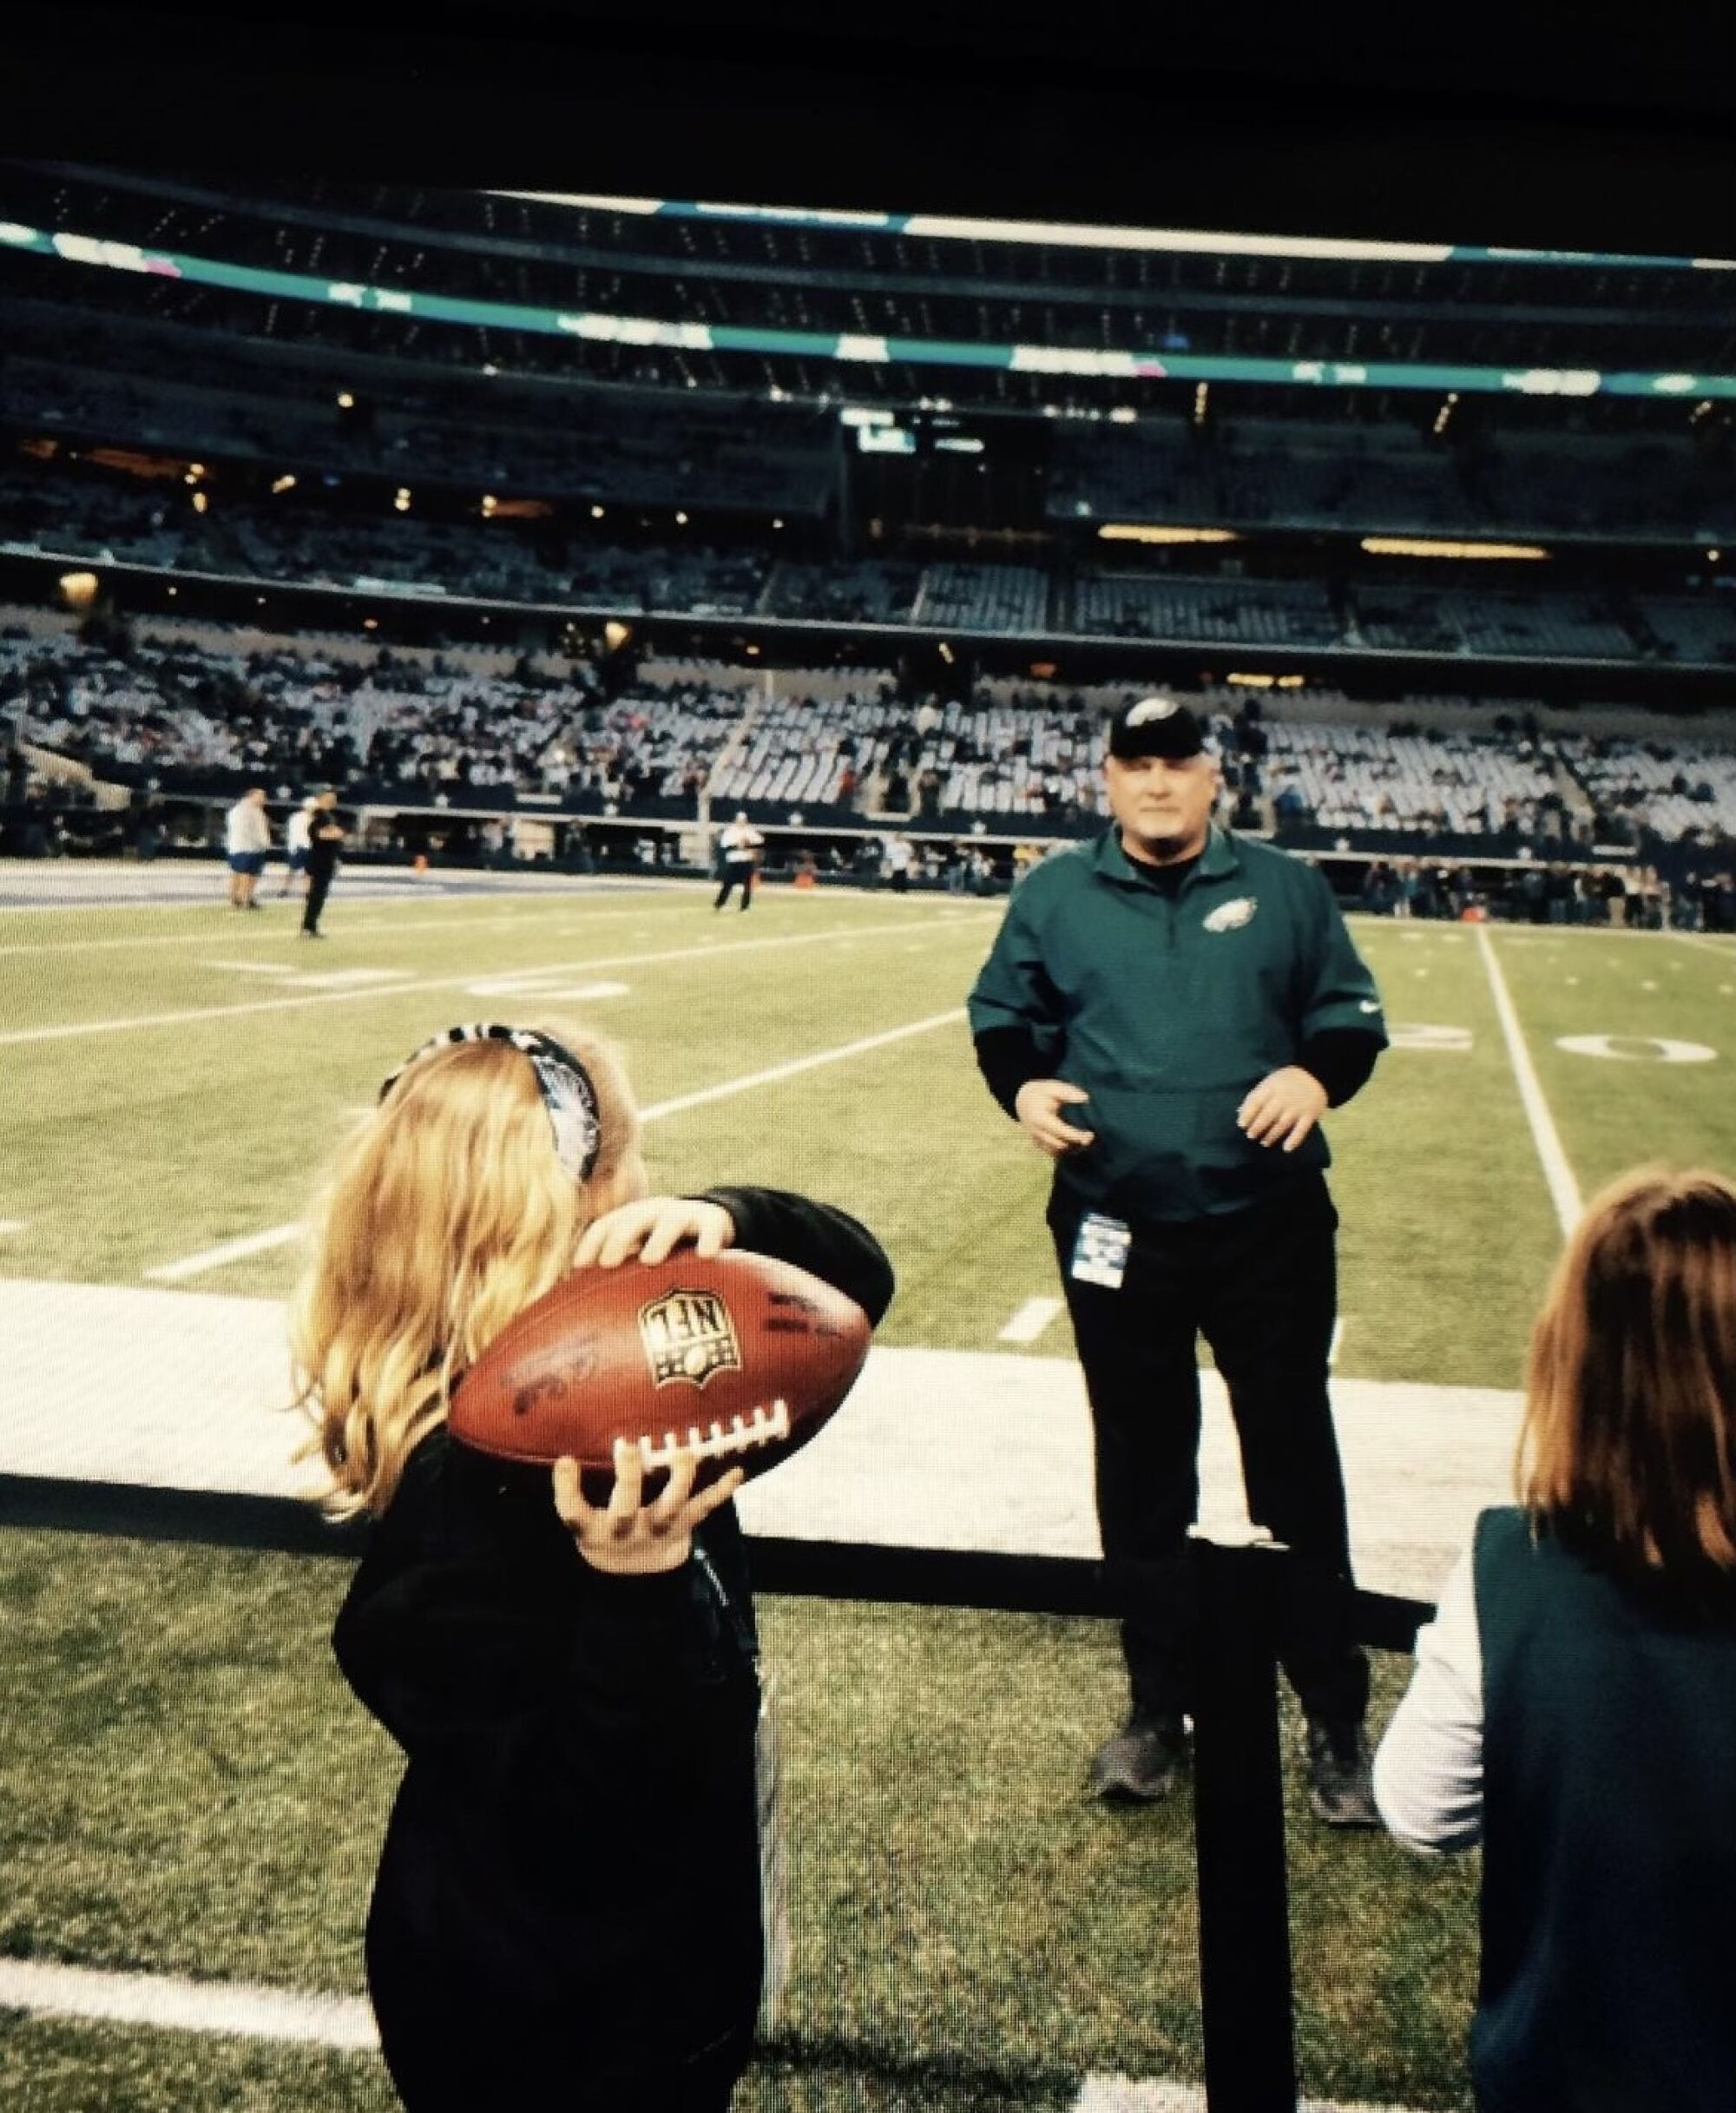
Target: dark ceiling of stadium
1524 127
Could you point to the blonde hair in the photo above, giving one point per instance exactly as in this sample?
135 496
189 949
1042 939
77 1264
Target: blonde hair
445 1213
1628 1446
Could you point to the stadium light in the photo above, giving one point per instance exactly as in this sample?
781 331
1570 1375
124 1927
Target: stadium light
402 502
285 483
776 523
946 653
1410 546
372 624
199 502
1151 532
78 589
1713 556
345 401
489 503
1123 414
596 513
1201 397
681 520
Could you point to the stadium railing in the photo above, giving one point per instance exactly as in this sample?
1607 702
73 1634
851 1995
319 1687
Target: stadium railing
1237 1596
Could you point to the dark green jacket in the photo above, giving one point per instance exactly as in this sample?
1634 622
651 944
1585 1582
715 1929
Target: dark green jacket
1168 1010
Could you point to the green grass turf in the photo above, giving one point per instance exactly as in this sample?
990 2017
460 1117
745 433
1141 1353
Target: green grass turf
194 1792
124 1150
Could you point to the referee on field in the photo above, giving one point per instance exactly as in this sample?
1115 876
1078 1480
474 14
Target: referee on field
1167 1012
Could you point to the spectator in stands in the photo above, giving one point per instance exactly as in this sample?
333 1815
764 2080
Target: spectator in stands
1573 1702
246 839
897 857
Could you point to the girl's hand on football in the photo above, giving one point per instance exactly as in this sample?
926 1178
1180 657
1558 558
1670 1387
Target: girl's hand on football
653 1229
626 1536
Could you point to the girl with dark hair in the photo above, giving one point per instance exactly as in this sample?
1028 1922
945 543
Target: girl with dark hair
1573 1704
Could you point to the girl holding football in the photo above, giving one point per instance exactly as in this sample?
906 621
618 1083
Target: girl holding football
1573 1704
567 1909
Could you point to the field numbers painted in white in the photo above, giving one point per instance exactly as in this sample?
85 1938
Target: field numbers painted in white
309 979
1563 1188
543 983
294 1001
1412 1035
1636 1048
1030 1322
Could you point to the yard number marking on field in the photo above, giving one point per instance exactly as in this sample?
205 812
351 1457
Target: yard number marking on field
194 1013
1563 1188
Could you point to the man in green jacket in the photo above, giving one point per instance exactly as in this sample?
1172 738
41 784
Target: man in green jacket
1166 1013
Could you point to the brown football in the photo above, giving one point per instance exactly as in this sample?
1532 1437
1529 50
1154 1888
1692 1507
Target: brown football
741 1358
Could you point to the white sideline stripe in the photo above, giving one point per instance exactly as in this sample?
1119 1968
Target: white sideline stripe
280 1235
1030 1322
11 1225
1563 1188
376 991
1108 2094
239 2007
1337 1338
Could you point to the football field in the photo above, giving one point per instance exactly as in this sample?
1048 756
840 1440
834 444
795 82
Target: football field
192 1802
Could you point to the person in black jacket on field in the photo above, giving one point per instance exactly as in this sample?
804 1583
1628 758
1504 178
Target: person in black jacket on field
567 1909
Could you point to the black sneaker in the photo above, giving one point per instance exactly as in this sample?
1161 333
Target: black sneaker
1145 1760
1340 1775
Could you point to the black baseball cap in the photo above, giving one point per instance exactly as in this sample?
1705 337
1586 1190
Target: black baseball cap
1156 726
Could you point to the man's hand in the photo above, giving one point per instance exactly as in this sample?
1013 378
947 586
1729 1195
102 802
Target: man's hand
628 1538
652 1228
1283 1108
1038 1107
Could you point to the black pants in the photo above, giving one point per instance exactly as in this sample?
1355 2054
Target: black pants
735 876
1260 1285
318 887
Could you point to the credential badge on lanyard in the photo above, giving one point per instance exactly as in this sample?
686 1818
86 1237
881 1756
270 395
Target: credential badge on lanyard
1100 1253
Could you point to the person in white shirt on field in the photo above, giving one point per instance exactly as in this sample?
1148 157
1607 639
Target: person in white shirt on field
296 837
246 839
741 845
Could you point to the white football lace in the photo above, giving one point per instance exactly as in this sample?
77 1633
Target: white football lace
760 1427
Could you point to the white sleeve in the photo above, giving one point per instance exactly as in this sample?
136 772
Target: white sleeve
1428 1772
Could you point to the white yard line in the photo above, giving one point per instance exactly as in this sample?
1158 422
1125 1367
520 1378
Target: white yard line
240 2008
206 934
799 1063
217 1258
1563 1188
1030 1322
188 1015
280 1235
244 2010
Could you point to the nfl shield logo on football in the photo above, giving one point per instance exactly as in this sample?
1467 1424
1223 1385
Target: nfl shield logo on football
688 1335
1231 916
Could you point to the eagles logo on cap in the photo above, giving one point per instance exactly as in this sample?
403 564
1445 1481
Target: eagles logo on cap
1156 726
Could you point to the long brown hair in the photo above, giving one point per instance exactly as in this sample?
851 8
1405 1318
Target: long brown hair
1629 1446
446 1213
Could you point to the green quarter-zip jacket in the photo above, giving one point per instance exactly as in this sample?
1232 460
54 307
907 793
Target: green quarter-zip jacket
1167 1008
